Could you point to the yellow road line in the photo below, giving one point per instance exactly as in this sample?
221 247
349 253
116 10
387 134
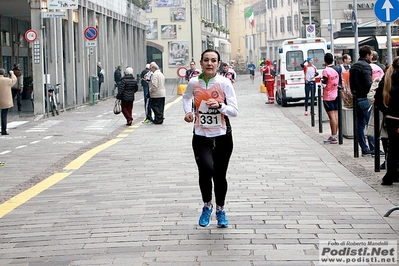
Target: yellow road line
82 159
23 197
26 195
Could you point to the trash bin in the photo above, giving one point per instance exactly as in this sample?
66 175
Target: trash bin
94 89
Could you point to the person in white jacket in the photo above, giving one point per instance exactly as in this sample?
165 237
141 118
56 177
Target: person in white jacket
214 102
157 93
6 101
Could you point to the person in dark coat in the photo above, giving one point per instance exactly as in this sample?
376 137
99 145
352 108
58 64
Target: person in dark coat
118 76
360 82
100 75
387 101
126 94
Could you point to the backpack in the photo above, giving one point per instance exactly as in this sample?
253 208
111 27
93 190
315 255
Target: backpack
273 73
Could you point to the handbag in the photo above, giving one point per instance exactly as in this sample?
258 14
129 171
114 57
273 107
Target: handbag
117 107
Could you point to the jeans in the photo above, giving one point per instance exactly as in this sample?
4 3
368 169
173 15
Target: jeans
363 116
212 156
147 106
4 113
308 86
18 93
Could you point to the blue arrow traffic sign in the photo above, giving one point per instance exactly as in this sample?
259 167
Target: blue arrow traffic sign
387 10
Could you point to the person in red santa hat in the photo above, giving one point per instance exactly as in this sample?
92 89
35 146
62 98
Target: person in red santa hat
269 80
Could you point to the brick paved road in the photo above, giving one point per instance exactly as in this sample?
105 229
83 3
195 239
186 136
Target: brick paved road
136 201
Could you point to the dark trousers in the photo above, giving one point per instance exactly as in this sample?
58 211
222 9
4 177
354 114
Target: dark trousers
212 156
363 117
393 150
4 113
127 107
158 106
18 94
311 85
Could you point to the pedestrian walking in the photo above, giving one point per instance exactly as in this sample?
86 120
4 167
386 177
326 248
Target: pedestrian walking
126 93
251 68
360 83
145 79
18 87
157 94
310 72
330 82
268 79
193 71
212 142
118 76
387 100
6 101
100 76
228 72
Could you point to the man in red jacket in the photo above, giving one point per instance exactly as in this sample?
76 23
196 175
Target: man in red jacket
269 80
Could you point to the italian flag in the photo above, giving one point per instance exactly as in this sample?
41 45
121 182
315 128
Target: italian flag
250 15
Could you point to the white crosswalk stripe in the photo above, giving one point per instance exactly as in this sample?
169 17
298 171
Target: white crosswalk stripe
44 126
97 125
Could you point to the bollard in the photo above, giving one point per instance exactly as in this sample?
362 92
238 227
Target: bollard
181 89
355 129
376 139
340 134
319 106
312 95
262 87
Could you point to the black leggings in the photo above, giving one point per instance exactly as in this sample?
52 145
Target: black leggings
212 156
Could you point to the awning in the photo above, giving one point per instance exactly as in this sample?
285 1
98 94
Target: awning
382 41
346 43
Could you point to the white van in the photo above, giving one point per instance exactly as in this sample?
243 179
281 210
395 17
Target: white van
290 83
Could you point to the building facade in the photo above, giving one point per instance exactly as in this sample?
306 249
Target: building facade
62 54
178 31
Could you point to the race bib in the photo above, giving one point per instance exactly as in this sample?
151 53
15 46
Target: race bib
210 120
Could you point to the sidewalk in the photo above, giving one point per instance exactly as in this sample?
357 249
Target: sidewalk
133 199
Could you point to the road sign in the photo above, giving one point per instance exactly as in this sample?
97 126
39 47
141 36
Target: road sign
310 31
54 14
62 4
91 43
91 33
353 21
181 72
387 10
31 35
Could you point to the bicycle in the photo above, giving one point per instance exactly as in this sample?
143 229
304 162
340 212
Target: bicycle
52 94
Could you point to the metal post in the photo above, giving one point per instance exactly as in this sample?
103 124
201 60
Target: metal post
312 95
356 55
389 43
319 106
340 134
355 129
376 139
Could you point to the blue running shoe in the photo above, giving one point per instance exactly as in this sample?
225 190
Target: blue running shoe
221 217
205 218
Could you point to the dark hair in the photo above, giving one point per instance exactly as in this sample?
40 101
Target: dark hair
225 64
2 71
328 58
208 51
364 51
